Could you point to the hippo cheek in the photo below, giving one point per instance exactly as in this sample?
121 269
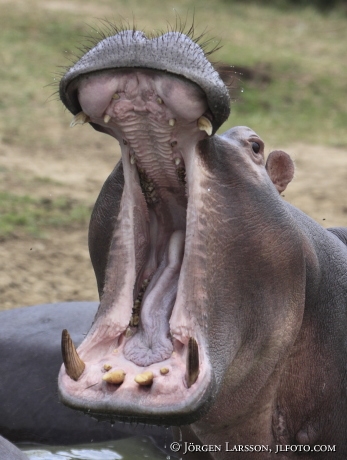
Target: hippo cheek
146 356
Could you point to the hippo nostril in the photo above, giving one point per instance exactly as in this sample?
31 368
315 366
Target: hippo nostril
73 364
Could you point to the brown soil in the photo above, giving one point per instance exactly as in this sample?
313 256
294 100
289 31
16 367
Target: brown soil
57 267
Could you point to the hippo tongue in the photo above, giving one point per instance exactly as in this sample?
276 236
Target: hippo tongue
152 342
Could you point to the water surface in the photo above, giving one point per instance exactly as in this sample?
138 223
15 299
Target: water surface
134 448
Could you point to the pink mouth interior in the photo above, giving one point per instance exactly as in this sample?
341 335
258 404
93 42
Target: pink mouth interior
144 322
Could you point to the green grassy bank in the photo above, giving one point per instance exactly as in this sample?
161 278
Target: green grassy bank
291 86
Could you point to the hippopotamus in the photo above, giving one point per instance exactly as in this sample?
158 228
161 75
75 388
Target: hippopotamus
30 357
10 452
222 306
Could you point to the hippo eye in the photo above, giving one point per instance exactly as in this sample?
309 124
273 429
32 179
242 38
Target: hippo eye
255 147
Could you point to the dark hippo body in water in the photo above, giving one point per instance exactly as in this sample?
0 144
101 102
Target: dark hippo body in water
10 452
222 307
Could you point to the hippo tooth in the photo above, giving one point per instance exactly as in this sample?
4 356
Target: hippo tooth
107 367
192 362
164 370
172 122
114 377
107 118
80 119
132 159
177 161
116 96
204 124
159 100
145 379
134 321
129 332
74 366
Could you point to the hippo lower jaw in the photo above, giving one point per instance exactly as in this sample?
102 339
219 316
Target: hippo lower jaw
145 357
165 400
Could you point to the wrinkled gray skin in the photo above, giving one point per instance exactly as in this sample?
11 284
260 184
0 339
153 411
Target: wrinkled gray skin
30 356
261 289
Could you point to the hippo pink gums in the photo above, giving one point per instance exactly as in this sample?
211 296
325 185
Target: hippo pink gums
222 306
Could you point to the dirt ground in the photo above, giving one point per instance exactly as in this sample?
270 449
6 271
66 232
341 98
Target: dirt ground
57 267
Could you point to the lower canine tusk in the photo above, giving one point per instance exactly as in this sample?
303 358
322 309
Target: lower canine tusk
192 362
74 366
204 124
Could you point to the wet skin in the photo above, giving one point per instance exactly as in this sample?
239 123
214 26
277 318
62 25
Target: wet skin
10 452
222 307
30 353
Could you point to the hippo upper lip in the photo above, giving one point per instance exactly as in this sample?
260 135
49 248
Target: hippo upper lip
179 55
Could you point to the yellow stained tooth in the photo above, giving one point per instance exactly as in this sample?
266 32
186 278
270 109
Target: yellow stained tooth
134 322
145 379
129 332
114 377
80 119
107 367
164 370
172 122
204 124
116 96
159 100
132 159
107 118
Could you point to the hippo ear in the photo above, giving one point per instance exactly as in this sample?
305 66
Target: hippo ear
280 168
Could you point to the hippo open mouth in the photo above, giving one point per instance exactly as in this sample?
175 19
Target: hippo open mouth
146 355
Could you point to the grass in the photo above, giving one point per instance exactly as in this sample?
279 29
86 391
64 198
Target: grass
25 214
303 50
306 51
